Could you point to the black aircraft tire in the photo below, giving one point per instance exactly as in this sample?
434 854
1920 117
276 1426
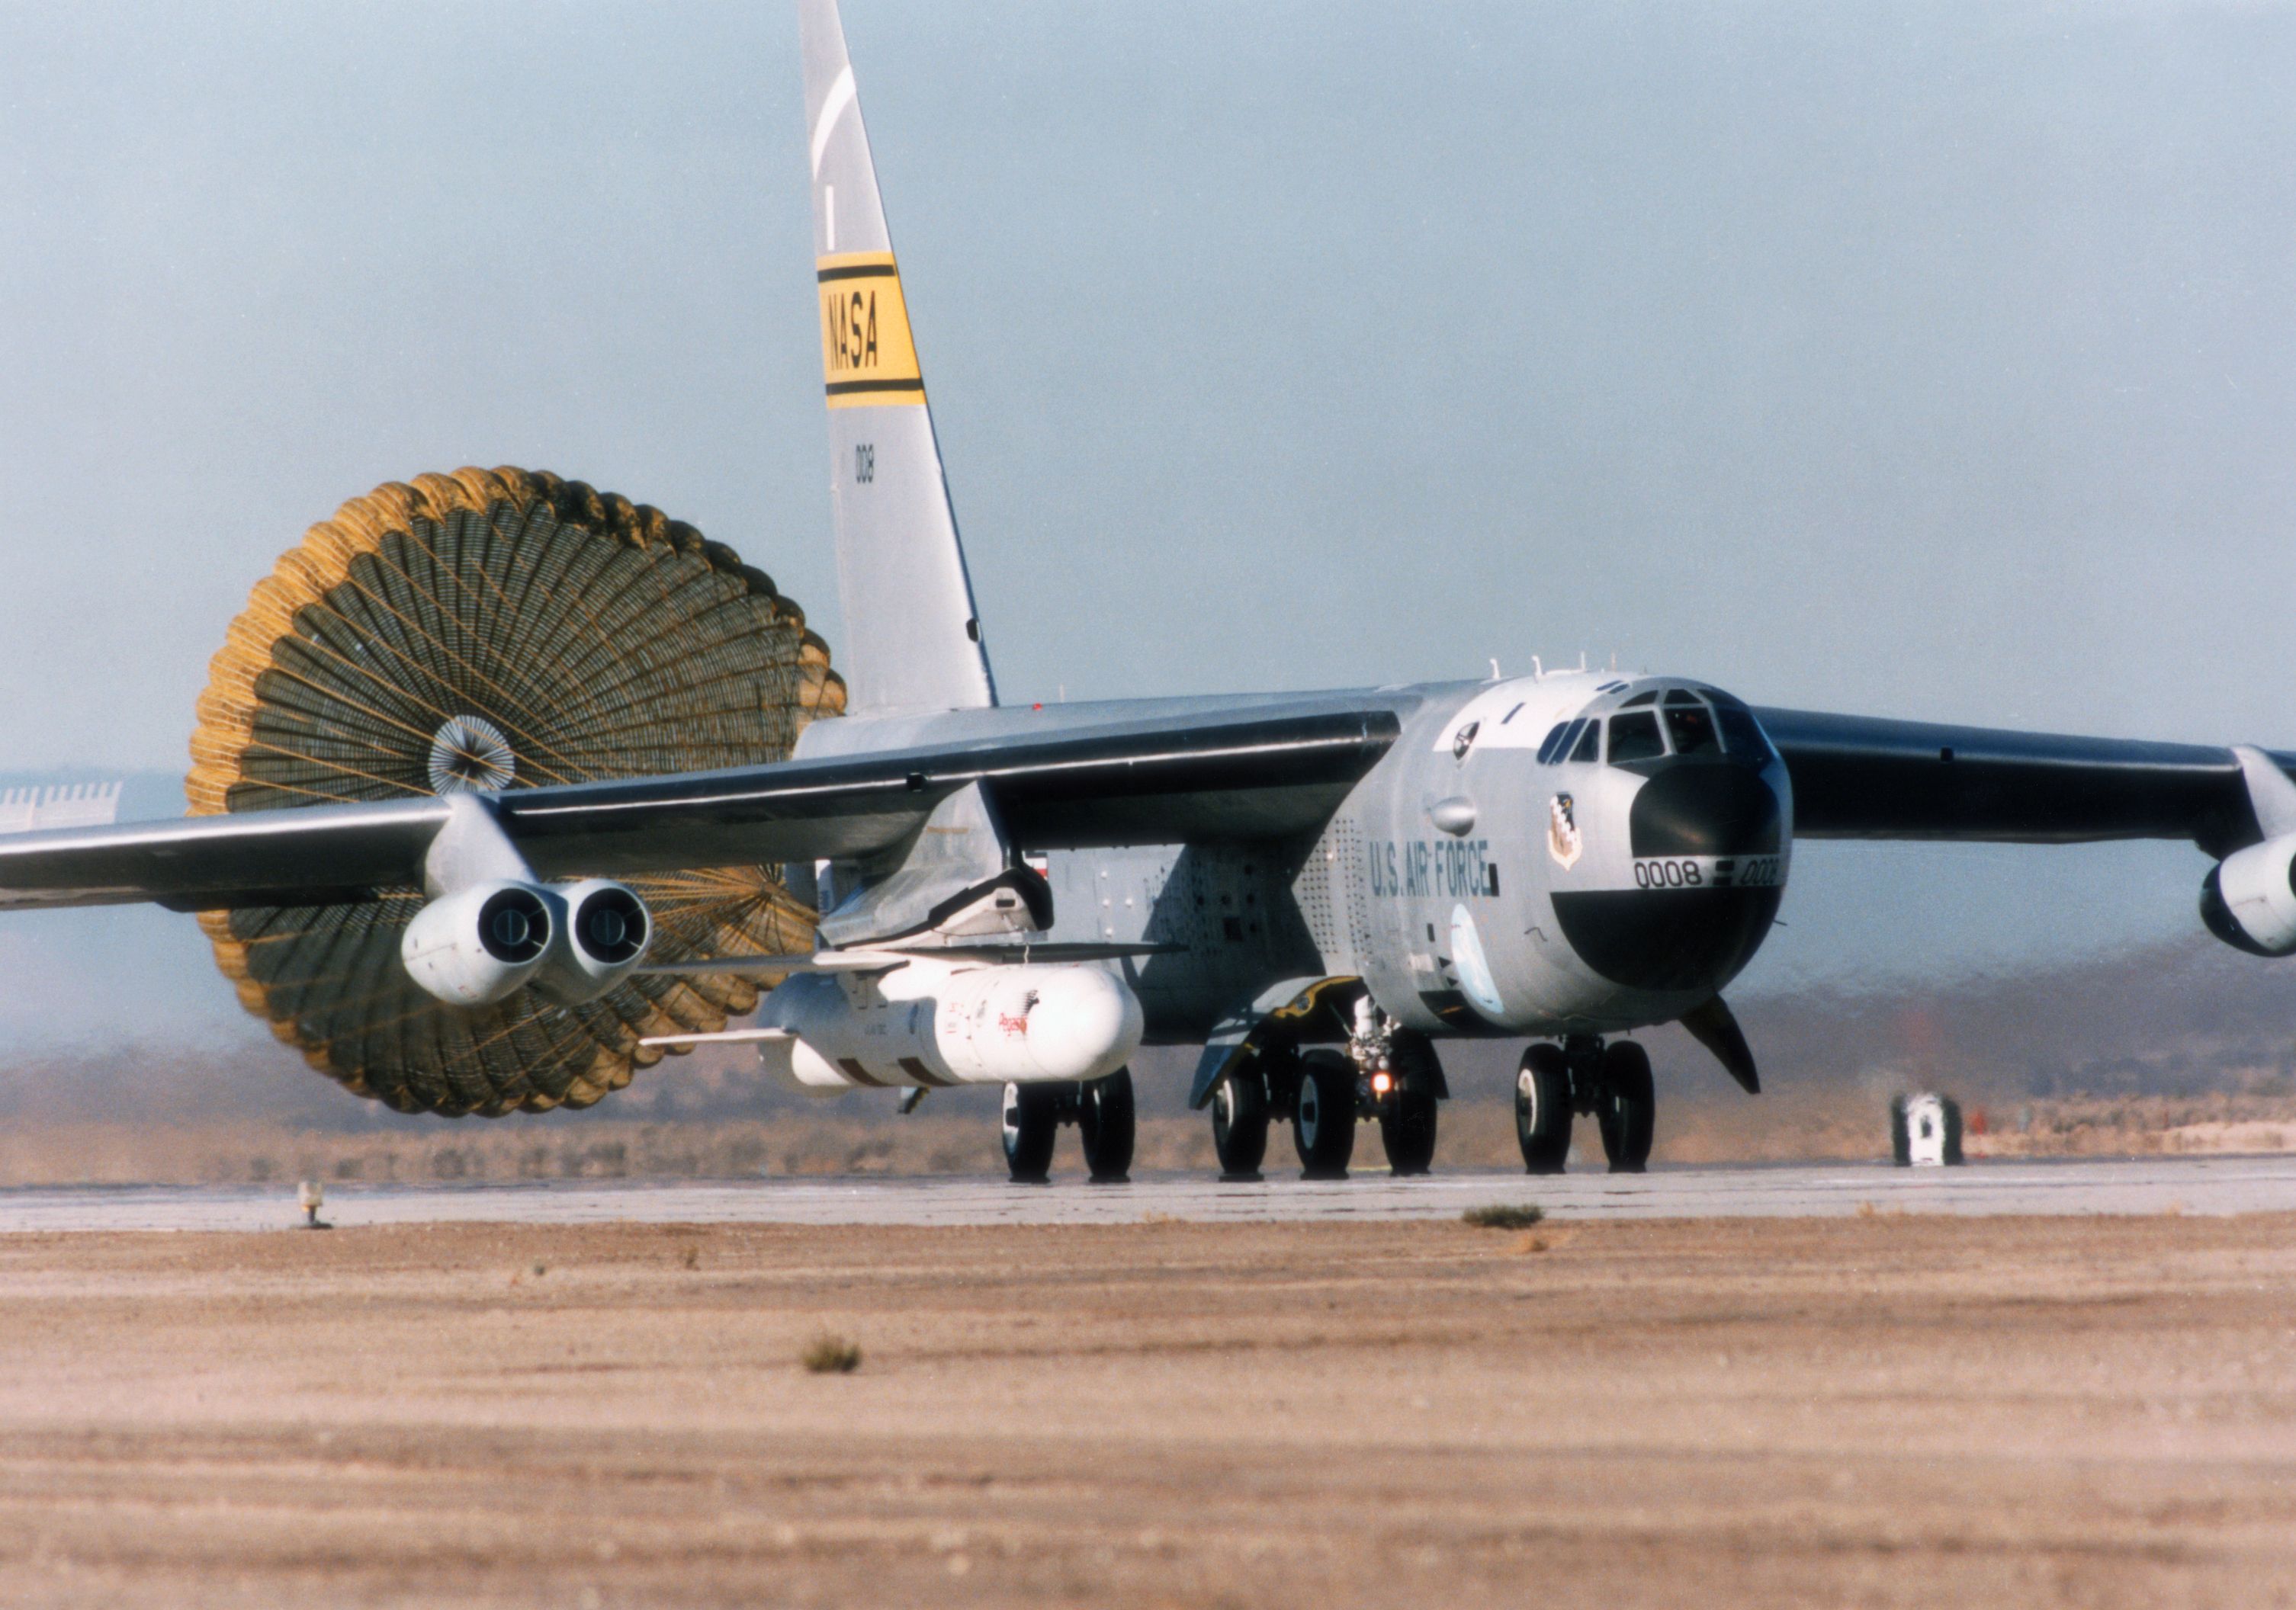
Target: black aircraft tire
1240 1124
1105 1122
1032 1122
1542 1110
1407 1130
1324 1130
1628 1108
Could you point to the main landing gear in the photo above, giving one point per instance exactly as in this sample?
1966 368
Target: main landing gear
1584 1076
1099 1109
1325 1092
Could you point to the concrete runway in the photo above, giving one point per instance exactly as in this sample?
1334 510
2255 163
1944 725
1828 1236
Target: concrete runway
2136 1186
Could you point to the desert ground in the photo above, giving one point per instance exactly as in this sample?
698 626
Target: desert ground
1873 1410
864 1138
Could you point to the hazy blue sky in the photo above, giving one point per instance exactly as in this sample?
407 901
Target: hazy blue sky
1927 360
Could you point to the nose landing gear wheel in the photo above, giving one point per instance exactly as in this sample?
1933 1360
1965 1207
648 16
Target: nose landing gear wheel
1542 1110
1407 1130
1032 1120
1628 1109
1105 1122
1240 1124
1324 1130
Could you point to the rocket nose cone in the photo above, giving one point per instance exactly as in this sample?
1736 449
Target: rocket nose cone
1087 1022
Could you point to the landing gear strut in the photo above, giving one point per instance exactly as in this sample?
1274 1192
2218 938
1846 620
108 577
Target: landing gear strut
1385 1073
1099 1109
1612 1082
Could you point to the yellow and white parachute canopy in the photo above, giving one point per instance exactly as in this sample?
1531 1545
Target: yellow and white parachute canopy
497 629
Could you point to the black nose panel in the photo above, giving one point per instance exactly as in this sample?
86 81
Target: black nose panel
1703 808
1666 939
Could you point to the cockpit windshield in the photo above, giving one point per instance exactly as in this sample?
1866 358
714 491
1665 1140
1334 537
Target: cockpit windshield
1690 726
1652 724
1634 736
1740 732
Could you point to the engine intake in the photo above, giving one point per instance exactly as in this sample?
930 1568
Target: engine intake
475 947
601 940
2249 899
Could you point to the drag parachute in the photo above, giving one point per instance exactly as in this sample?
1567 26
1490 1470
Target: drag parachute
498 629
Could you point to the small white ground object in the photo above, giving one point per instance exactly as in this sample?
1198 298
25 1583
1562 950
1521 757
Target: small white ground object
1925 1130
309 1194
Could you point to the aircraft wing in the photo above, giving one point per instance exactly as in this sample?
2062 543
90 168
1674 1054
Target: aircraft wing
1271 774
1856 777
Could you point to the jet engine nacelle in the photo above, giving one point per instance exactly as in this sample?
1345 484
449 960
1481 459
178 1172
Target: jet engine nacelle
2249 900
573 942
475 947
928 1024
603 932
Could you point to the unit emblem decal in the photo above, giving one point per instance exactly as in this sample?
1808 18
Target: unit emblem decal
1562 832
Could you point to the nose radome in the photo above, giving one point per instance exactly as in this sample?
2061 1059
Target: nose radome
1701 809
1682 939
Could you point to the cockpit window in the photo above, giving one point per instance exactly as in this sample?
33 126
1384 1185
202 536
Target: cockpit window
1690 727
1552 744
1680 696
1590 742
1741 731
1635 737
1647 697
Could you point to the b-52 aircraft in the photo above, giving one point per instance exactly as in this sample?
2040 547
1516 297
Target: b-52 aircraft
1320 889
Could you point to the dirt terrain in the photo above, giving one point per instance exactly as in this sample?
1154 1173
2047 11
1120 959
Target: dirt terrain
1871 1410
1478 1131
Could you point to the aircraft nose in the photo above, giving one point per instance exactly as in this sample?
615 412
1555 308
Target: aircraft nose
1673 937
1693 808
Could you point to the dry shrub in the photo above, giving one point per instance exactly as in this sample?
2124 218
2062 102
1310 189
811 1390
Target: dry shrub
1504 1215
829 1353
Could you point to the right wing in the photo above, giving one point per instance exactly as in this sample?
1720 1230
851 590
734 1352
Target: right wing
1859 777
1275 771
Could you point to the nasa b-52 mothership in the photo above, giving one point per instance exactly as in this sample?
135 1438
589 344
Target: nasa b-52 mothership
504 788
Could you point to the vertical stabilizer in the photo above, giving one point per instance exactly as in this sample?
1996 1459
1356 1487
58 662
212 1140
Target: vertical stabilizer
912 635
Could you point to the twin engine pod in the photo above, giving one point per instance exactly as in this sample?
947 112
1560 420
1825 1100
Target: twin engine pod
2249 899
930 1023
572 942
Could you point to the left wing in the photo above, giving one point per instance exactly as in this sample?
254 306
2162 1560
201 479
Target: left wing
1278 770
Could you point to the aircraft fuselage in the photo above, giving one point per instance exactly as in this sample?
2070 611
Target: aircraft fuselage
1575 852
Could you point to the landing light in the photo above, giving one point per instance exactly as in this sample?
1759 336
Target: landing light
1381 1084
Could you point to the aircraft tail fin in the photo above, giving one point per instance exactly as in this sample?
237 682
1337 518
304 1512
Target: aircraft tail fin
913 637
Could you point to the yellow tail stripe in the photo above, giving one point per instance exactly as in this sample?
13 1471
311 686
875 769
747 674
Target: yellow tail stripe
867 357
